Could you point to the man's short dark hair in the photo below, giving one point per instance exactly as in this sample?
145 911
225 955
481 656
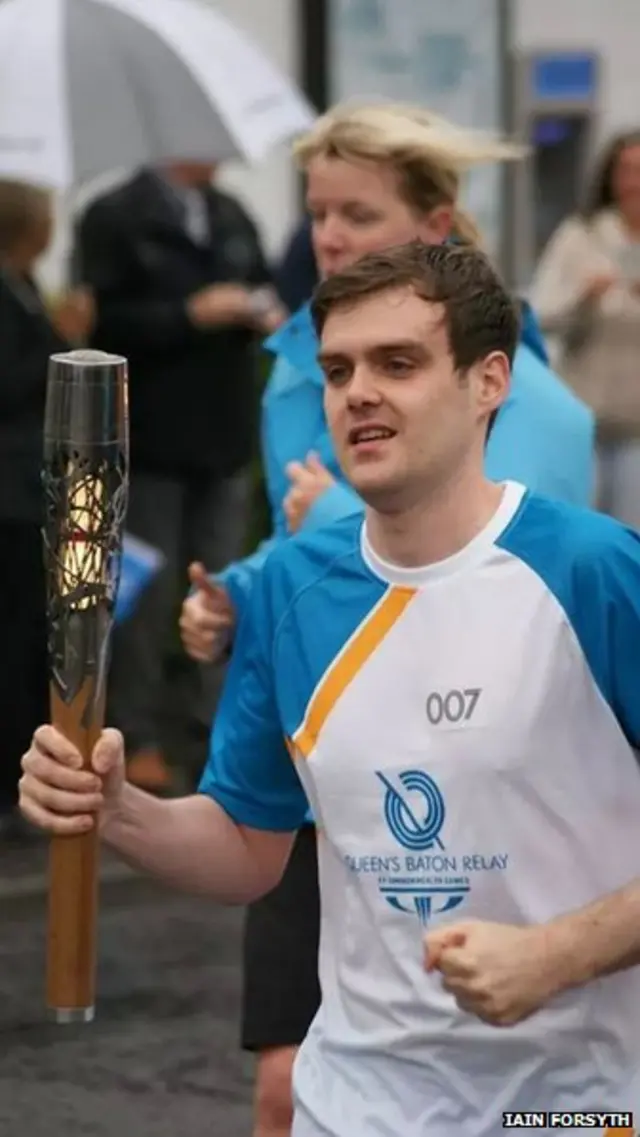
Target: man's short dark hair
480 315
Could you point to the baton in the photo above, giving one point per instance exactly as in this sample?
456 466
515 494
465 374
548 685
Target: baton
85 479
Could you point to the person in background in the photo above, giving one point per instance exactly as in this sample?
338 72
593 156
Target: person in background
183 290
297 274
587 294
377 176
29 334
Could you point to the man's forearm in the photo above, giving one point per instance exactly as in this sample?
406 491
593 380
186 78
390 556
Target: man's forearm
192 844
600 939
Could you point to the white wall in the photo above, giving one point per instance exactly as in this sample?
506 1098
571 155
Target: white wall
269 190
611 27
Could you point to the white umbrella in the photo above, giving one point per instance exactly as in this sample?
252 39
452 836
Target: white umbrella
91 86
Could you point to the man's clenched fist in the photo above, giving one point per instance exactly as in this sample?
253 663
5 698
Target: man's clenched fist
208 618
498 972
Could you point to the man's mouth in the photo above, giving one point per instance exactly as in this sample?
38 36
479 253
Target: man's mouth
360 434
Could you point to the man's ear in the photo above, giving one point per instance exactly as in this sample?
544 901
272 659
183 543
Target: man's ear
492 382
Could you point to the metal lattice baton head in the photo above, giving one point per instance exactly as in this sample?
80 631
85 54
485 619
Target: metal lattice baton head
85 473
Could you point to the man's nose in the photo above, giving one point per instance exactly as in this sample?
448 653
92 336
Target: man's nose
362 390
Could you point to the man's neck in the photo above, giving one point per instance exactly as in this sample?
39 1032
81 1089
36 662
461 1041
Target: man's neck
183 180
437 526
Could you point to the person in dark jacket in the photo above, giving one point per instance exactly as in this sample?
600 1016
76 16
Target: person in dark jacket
183 290
28 336
297 274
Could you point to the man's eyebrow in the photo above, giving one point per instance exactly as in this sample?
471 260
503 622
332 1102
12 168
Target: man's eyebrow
382 348
325 357
398 345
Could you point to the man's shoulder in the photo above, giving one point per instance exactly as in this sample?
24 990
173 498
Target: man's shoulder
590 565
117 201
230 208
319 596
320 577
572 548
328 553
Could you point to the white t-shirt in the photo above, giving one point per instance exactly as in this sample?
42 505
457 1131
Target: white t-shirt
465 735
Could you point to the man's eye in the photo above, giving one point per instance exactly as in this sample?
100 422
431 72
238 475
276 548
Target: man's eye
336 375
396 366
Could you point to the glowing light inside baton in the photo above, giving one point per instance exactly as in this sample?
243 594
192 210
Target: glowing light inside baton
83 560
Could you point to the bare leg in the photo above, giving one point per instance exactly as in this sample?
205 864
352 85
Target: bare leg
273 1098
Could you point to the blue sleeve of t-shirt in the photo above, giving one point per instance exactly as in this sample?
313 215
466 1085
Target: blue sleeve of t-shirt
607 619
249 771
591 564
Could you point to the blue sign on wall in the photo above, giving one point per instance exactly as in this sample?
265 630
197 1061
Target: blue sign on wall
571 75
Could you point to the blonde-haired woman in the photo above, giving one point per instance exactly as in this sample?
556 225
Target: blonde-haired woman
378 176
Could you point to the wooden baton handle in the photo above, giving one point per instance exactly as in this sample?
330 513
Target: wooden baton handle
73 885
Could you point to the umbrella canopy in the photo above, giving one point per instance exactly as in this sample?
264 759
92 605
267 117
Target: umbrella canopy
91 86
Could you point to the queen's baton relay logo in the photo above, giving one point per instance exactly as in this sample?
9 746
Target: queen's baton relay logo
414 826
426 878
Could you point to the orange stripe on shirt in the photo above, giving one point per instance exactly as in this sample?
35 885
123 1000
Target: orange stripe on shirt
619 1132
336 680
